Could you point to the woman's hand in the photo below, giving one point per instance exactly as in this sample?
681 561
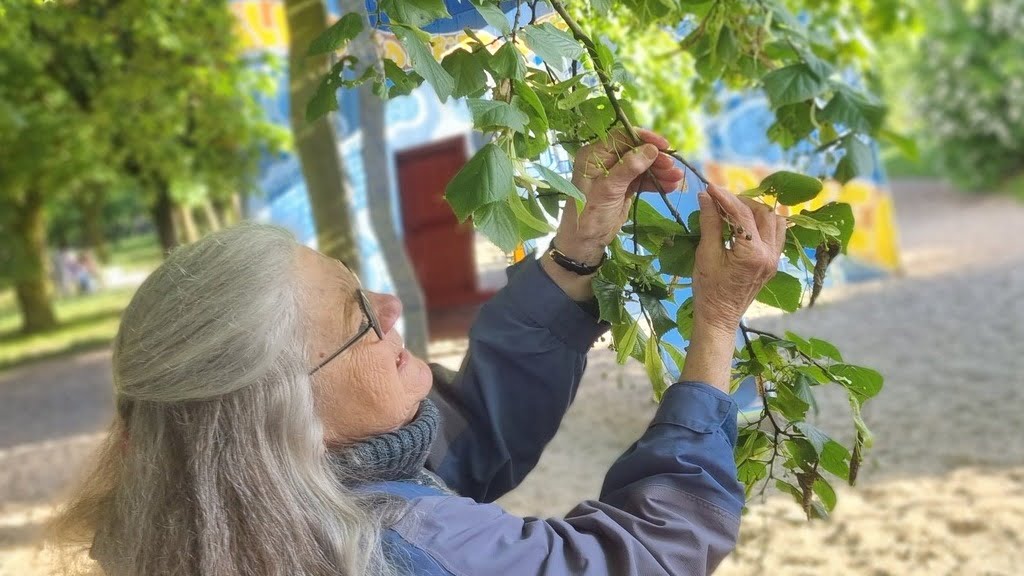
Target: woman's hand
726 280
609 174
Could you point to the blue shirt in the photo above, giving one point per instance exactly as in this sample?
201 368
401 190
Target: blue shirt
669 505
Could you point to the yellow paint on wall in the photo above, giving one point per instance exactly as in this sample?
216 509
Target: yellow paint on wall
874 239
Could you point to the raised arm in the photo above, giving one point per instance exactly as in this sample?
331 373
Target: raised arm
671 503
527 349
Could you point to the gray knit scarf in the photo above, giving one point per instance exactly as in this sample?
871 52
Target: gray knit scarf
396 455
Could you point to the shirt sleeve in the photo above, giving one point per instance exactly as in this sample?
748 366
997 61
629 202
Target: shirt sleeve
527 352
670 505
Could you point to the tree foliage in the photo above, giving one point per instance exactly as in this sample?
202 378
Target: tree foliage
151 96
604 65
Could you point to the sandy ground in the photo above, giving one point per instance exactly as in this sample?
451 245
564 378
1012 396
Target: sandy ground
942 492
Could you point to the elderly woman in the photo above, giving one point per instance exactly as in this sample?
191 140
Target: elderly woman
270 422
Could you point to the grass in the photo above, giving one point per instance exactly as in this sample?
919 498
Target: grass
136 253
86 322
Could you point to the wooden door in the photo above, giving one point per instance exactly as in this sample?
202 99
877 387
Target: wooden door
440 248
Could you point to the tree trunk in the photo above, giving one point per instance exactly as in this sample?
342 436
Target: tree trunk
163 217
376 162
210 215
31 283
316 144
90 204
190 233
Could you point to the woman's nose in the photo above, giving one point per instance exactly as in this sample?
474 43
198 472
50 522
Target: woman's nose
388 309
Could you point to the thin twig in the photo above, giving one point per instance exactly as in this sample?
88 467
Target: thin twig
609 90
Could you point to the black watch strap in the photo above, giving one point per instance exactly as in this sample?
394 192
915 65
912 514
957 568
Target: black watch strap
574 265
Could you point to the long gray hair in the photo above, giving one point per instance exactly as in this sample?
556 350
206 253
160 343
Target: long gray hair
215 462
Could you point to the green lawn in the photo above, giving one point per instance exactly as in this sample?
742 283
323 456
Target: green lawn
86 322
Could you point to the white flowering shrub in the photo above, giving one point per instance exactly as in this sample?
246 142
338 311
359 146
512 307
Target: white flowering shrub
971 87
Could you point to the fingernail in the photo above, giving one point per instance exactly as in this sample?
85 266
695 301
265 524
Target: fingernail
702 197
650 151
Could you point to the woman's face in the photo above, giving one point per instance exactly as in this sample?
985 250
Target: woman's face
372 387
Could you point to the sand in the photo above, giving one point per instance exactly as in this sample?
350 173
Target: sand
941 493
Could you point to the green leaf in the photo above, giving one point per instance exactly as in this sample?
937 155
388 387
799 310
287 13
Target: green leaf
792 124
560 184
424 64
507 62
906 145
677 355
788 403
487 178
467 71
678 255
493 15
624 346
528 95
573 99
609 300
837 214
793 491
648 217
854 111
790 188
792 84
858 160
655 369
415 13
524 216
551 44
492 115
325 100
659 315
337 35
601 6
403 82
864 382
751 472
783 292
684 318
497 221
815 436
821 348
825 493
835 459
809 223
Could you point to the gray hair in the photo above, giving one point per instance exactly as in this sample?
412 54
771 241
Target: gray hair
215 463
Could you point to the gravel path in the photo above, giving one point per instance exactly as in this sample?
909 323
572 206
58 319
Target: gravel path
942 492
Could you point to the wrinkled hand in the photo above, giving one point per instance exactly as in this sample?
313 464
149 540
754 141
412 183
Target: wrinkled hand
726 280
609 174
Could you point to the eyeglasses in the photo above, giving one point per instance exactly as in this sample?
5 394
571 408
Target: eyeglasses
369 321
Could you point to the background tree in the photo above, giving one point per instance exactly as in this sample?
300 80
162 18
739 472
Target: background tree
148 96
316 140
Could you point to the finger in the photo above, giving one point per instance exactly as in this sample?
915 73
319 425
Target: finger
606 152
781 226
664 162
764 217
737 212
710 224
653 138
633 164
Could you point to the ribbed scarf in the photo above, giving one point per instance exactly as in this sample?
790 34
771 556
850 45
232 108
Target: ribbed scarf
396 455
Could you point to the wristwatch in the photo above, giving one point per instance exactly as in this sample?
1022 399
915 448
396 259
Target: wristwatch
574 265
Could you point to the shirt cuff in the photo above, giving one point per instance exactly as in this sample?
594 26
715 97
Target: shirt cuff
698 407
536 295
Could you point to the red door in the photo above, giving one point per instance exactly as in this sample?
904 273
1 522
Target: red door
440 248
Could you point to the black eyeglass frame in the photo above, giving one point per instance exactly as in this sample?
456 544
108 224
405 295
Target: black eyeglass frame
369 321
